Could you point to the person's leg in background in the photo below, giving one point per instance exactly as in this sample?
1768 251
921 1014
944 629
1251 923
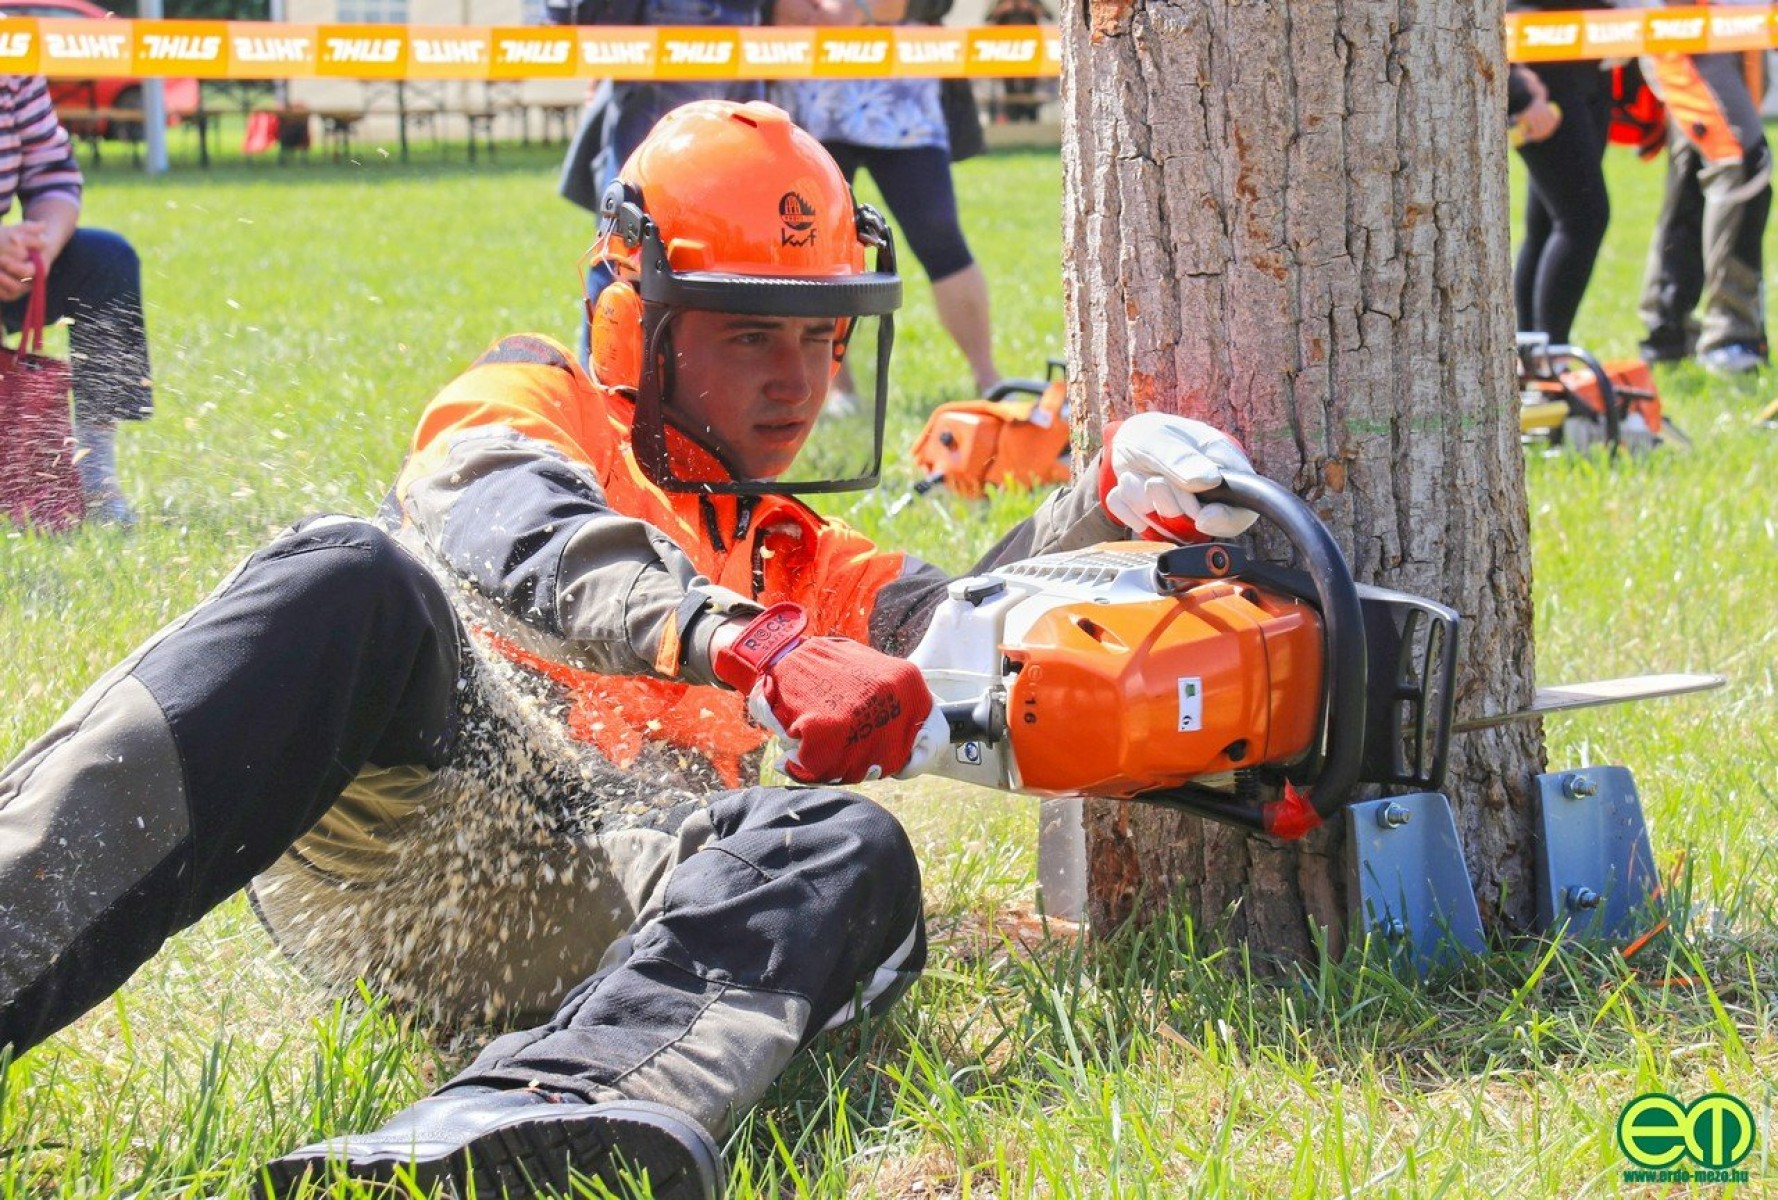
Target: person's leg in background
1673 279
1536 236
1568 200
97 281
1737 194
916 185
842 393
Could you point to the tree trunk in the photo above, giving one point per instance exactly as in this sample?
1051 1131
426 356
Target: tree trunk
1289 219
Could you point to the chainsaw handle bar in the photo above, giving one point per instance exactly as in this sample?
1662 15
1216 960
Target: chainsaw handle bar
1608 402
1345 661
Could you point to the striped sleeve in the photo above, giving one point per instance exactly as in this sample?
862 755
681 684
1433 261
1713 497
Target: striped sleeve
47 166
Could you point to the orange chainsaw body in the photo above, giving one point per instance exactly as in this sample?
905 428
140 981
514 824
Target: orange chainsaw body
1220 677
973 444
1631 378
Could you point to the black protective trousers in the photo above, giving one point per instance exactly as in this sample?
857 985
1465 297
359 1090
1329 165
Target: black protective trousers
332 655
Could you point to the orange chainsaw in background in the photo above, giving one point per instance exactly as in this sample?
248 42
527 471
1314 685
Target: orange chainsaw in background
1199 677
1567 397
971 445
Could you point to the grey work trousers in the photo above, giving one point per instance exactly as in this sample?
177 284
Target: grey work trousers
1708 238
322 727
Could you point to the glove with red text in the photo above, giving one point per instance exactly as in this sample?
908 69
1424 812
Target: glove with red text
848 713
1154 465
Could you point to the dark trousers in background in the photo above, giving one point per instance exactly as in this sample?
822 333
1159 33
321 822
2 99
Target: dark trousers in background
97 282
1566 207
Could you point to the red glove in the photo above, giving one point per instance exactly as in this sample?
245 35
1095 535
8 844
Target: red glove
848 713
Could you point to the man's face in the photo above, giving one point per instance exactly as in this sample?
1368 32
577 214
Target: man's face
751 386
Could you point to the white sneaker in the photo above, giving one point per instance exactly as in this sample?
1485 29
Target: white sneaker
1733 359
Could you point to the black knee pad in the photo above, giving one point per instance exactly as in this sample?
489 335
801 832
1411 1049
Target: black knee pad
330 649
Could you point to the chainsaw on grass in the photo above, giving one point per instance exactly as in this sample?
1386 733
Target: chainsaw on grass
1199 677
968 446
1568 398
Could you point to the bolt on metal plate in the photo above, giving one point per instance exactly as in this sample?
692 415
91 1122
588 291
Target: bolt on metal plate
1407 878
1595 867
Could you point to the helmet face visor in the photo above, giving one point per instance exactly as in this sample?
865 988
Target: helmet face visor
741 390
744 404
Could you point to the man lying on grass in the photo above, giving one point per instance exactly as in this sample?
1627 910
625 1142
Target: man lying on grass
487 751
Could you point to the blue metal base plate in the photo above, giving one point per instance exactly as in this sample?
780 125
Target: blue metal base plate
1595 868
1408 880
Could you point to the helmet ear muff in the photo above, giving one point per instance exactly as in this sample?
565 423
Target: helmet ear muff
614 322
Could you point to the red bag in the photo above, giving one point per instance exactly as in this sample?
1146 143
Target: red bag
39 485
1638 118
262 132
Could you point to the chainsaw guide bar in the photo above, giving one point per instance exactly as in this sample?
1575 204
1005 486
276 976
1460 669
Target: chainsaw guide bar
1596 694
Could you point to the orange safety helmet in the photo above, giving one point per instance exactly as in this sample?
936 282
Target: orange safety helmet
730 207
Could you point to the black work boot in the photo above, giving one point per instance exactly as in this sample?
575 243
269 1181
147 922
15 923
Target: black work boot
517 1144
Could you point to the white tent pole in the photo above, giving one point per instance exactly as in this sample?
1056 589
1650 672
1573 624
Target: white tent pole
154 107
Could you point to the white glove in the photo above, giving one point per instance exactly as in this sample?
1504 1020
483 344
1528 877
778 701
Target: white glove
931 745
1153 466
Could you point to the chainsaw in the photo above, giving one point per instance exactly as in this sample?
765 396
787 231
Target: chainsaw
1200 677
968 446
1568 397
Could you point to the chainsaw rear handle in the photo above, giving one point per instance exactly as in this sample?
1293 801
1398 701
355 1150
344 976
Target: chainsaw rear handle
1345 661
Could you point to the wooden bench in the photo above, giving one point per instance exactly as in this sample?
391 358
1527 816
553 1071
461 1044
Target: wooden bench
498 98
337 126
93 125
561 119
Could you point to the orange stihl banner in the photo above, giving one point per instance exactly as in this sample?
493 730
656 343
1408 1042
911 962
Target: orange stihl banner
264 50
1623 33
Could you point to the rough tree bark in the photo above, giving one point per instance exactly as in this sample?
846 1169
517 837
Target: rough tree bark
1289 218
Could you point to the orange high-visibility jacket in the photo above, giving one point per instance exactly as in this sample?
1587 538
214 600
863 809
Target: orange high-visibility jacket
522 487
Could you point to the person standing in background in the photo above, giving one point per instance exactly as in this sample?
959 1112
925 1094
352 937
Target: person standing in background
1564 111
94 277
1707 240
896 129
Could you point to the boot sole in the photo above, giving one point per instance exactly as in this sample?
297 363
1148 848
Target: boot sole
533 1153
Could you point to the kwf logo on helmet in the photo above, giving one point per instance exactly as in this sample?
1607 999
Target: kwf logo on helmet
798 216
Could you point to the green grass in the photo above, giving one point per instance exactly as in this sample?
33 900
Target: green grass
301 316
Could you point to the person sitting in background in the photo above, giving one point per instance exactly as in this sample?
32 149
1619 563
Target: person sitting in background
94 277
